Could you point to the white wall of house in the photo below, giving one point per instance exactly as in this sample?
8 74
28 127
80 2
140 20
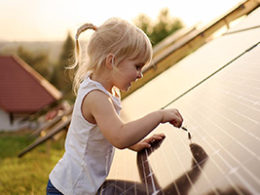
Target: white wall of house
5 124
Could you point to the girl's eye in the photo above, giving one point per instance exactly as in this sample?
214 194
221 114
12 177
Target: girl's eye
138 67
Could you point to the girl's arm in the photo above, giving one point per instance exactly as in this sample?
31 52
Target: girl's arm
118 133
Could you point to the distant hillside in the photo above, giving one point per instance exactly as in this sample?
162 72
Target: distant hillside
52 48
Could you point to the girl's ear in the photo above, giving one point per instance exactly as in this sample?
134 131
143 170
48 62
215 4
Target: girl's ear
110 61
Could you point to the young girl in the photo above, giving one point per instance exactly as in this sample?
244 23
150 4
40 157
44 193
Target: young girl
116 53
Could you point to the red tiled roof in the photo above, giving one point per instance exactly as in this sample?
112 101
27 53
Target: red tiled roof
22 89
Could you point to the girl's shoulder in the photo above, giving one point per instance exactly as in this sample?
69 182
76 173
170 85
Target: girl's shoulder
91 101
96 89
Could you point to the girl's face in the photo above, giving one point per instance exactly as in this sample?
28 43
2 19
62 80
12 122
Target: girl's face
127 71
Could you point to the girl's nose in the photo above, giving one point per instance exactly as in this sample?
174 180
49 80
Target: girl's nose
140 75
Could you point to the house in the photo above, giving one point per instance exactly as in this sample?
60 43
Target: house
23 92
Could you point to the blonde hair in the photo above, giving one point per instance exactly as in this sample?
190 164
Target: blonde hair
115 36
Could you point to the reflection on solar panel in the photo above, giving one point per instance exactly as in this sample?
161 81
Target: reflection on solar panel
217 90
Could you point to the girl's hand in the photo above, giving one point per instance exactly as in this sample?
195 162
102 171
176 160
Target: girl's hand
146 143
172 116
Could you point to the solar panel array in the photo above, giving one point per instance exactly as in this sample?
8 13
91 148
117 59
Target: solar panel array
217 90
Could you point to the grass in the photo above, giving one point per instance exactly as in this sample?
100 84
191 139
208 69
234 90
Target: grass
29 174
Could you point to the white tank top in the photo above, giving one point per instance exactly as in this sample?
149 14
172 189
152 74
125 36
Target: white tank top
88 155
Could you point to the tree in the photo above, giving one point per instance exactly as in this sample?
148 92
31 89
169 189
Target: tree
145 23
60 75
39 61
164 26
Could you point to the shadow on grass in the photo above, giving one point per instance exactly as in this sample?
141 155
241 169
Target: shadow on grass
12 142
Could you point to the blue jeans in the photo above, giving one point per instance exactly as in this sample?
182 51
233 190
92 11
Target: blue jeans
51 190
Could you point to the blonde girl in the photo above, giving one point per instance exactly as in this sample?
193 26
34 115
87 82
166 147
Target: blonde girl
116 53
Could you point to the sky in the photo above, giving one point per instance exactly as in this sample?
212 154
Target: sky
50 20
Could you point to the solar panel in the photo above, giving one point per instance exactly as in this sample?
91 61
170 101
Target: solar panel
189 71
217 90
223 116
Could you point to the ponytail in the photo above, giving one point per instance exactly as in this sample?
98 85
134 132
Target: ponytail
81 29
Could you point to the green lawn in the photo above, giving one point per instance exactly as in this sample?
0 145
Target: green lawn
27 175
